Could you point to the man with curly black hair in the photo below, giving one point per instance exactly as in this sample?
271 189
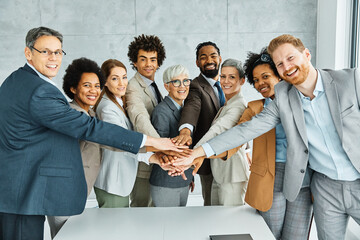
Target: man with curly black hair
146 54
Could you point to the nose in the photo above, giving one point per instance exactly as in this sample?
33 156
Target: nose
52 56
287 66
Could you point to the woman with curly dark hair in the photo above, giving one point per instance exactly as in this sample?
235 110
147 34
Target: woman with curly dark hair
83 82
286 220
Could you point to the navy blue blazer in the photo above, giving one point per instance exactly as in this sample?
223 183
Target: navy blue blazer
41 171
165 119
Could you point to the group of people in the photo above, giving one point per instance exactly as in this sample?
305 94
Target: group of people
304 159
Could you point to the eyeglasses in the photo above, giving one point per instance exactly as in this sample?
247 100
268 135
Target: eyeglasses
177 82
48 53
264 58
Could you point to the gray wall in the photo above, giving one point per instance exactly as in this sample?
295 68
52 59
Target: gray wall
103 29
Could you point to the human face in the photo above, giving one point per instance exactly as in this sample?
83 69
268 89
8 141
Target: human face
147 64
117 81
88 90
265 80
178 93
46 65
230 81
292 65
209 61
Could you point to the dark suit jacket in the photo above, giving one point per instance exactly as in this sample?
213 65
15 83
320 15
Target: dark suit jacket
199 110
41 169
165 119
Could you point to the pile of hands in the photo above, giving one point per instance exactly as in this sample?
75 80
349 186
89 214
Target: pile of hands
175 156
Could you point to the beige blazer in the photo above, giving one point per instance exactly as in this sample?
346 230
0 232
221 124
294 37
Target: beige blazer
236 168
90 153
140 103
259 193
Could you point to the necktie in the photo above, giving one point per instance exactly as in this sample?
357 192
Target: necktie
221 94
158 95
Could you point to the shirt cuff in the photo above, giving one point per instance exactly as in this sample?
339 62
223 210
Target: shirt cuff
143 141
144 157
208 150
187 125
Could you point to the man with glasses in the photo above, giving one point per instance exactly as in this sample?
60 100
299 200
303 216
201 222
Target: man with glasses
41 169
146 54
204 101
167 191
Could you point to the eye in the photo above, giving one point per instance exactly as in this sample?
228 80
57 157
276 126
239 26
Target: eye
222 76
291 57
232 77
57 53
279 65
45 52
255 80
265 76
86 85
125 77
114 79
97 86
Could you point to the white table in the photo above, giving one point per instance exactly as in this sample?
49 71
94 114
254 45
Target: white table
184 223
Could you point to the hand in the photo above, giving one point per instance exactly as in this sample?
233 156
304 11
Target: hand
197 164
185 153
163 144
161 159
192 186
184 138
185 161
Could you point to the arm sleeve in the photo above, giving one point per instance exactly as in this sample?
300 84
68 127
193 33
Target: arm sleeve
49 108
138 113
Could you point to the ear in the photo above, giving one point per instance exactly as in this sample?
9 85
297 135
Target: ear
166 85
135 65
307 54
220 59
73 90
28 53
197 63
242 81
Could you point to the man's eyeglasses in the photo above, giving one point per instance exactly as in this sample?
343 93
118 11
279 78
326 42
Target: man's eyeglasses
48 53
177 82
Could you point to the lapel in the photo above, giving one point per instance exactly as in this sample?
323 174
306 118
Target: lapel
29 69
298 113
172 106
333 100
146 88
209 90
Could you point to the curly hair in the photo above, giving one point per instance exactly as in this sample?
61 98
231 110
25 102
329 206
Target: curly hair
255 59
148 43
203 44
74 72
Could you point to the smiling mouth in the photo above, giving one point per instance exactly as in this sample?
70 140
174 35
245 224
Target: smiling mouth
91 97
226 87
292 72
52 66
210 67
263 89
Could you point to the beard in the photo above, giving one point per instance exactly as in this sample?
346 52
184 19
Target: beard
303 72
210 73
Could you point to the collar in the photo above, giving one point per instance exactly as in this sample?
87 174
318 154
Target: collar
40 75
147 81
210 80
267 101
175 103
120 101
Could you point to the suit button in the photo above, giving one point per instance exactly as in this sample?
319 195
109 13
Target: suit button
302 170
306 151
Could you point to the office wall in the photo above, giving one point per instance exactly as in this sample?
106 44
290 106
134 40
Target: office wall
103 29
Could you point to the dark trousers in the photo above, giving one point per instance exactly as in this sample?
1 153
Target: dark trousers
21 227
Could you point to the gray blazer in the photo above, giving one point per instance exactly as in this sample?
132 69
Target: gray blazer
342 90
165 118
118 169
